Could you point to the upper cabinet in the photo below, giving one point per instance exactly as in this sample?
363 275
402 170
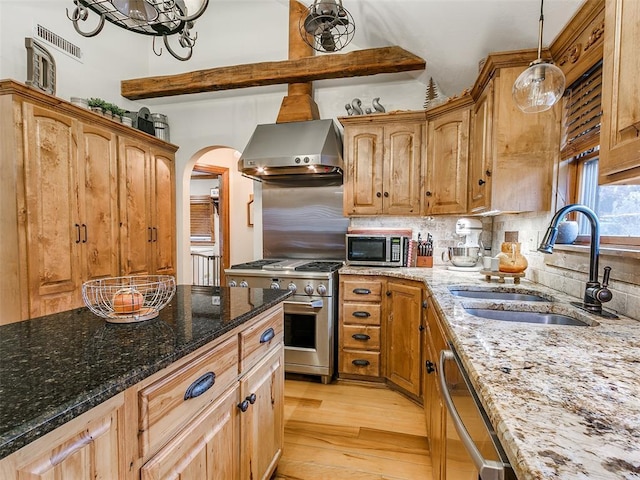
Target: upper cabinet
512 153
445 169
83 198
383 155
620 133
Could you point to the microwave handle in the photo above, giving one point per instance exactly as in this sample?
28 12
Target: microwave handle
487 469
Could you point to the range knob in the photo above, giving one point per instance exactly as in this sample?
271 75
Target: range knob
292 286
274 286
244 284
322 290
308 289
233 283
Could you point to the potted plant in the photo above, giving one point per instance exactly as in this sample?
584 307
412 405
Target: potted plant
96 105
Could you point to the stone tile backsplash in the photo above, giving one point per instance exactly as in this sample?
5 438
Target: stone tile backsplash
564 271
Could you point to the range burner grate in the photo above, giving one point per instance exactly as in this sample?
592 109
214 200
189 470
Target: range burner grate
319 267
255 265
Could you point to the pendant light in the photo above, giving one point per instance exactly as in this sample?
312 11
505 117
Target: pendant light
541 85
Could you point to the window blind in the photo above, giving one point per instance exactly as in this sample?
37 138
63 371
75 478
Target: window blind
202 217
583 113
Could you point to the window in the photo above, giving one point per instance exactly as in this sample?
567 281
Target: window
617 206
202 209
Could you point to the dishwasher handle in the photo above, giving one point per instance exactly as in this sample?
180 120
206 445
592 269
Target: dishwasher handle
487 469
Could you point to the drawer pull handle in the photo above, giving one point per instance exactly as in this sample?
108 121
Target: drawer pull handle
361 314
361 336
361 291
201 385
244 405
267 335
361 363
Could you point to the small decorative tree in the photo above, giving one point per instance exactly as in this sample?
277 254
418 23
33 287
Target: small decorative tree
434 95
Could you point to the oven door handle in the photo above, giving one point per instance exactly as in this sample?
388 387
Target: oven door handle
312 304
487 469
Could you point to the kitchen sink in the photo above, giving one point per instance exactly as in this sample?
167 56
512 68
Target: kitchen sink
547 318
500 295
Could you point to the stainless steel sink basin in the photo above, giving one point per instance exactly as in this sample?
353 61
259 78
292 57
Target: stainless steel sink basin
499 295
527 317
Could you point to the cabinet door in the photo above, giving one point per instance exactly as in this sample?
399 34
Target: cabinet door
52 217
480 155
262 424
163 223
206 449
403 335
89 447
401 170
136 233
97 182
447 164
363 152
620 134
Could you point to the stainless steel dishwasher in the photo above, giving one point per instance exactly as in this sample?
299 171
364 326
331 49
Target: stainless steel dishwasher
472 448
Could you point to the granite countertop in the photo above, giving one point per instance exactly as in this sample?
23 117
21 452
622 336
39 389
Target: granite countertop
58 366
565 400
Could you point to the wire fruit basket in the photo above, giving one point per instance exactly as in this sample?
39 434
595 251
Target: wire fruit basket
129 299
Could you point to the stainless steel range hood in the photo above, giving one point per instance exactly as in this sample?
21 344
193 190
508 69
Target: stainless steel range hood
311 148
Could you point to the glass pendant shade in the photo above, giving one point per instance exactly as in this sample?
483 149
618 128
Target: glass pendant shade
139 11
539 87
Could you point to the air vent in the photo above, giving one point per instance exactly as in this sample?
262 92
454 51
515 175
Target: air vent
58 42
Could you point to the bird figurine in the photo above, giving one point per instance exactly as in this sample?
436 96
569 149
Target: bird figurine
349 109
357 104
376 105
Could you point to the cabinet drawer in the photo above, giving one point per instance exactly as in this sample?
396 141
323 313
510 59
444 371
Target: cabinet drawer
361 314
358 337
360 363
170 402
255 341
362 291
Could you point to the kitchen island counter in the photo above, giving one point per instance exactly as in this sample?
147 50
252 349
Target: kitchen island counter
59 366
563 399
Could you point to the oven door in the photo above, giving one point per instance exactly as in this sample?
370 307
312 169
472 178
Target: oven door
308 335
472 448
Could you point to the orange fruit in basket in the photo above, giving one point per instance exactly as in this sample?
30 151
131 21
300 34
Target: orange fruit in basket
127 300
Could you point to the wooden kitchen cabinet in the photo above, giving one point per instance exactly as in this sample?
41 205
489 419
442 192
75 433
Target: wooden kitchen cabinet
88 447
262 424
360 327
383 155
620 133
61 202
147 203
512 153
435 412
403 334
447 159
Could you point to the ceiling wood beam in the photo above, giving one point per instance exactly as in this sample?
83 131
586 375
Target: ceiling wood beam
353 64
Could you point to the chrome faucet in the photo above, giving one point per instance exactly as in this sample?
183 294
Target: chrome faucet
595 294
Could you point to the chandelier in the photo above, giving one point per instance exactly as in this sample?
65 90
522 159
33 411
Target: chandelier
327 26
158 18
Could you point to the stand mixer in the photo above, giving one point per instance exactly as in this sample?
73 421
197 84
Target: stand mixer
466 254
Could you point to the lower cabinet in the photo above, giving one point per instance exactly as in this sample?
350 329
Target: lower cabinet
207 448
435 412
86 448
403 331
215 414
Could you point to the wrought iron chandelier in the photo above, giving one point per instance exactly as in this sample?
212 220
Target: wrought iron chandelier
541 85
327 26
158 18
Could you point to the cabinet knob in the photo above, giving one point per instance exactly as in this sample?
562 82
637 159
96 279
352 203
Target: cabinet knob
388 293
421 328
431 367
386 194
378 194
428 194
251 398
244 405
487 173
481 182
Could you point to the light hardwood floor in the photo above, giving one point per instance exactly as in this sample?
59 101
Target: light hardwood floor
351 431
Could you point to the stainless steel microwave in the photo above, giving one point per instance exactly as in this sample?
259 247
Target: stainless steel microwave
377 250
